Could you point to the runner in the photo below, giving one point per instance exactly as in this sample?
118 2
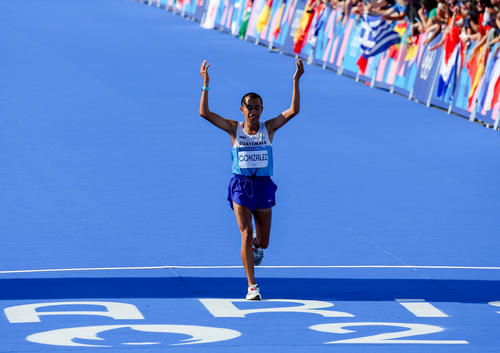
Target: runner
251 191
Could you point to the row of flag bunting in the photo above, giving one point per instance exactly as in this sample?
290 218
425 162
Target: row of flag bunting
384 54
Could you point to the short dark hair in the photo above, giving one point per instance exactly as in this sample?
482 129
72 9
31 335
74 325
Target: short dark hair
251 95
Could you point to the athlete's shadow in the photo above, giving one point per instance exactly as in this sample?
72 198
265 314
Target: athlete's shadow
468 291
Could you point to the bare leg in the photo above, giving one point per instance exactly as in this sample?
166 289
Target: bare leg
263 226
244 218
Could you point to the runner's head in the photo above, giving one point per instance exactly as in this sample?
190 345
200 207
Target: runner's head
251 106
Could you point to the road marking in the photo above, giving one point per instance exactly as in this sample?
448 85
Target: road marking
420 308
260 267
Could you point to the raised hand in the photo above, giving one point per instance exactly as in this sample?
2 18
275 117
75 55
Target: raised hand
204 72
300 69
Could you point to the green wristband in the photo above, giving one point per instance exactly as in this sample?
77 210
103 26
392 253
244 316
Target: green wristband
204 88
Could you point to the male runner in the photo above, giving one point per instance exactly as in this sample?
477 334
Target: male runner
251 190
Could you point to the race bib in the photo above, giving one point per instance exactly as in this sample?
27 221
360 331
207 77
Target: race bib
253 159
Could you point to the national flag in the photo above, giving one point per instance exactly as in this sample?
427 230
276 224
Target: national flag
412 50
320 20
362 64
397 67
316 24
284 18
377 35
264 16
246 18
476 66
451 62
302 33
493 88
487 78
277 29
400 28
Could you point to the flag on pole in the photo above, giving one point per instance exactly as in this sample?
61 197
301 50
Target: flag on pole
302 33
320 20
411 53
476 66
377 35
277 29
451 62
246 18
394 50
316 25
264 16
493 87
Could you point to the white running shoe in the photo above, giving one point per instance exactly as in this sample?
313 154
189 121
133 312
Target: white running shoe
253 293
258 252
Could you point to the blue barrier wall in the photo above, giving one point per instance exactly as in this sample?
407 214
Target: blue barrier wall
410 68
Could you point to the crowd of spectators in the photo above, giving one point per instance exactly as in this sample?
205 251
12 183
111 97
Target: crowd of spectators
478 21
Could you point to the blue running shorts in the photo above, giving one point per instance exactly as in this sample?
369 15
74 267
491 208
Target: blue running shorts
252 192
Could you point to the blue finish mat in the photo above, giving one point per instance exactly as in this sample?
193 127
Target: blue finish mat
114 203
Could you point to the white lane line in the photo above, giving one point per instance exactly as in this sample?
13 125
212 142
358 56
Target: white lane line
230 267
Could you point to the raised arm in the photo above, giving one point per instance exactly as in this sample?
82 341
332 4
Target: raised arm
225 124
274 124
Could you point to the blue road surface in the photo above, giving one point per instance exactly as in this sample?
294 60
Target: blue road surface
115 232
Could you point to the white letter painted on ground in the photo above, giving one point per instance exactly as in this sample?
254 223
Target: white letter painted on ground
495 304
383 338
226 308
199 334
27 312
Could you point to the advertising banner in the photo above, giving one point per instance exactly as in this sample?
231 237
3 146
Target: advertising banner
323 37
405 81
350 49
331 54
427 72
252 34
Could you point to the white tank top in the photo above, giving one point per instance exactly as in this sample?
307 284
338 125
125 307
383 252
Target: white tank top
252 155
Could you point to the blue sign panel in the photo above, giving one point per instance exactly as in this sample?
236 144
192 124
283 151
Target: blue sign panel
426 74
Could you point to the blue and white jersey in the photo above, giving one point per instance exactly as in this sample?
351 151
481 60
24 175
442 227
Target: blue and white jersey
252 155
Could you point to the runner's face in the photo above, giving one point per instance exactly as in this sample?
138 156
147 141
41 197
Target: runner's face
252 109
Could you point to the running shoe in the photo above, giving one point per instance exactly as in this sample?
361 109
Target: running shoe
253 293
258 252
